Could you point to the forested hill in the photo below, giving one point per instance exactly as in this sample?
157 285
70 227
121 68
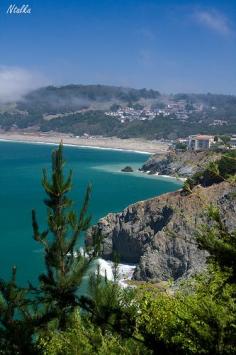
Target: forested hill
117 111
52 100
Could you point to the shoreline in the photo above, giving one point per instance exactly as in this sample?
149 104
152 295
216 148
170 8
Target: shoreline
140 173
106 143
182 179
125 271
113 144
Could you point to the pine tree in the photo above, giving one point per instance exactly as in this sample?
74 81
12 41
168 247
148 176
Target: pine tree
109 306
16 326
65 264
25 312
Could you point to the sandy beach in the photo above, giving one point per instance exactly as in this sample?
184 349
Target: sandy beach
137 145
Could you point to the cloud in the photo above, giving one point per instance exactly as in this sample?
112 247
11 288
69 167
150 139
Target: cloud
214 20
16 82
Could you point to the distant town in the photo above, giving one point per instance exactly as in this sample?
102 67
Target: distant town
177 109
180 110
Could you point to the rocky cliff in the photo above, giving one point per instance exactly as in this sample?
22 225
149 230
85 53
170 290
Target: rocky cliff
182 164
159 234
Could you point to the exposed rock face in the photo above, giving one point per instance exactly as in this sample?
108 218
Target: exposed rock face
159 234
183 164
127 169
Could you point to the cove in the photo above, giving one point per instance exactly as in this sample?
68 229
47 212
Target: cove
21 191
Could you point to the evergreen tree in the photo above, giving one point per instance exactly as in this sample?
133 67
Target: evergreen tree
197 318
109 306
65 264
26 312
16 325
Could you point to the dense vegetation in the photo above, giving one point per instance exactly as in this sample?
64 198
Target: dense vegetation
224 106
216 172
92 123
74 97
198 317
96 123
67 101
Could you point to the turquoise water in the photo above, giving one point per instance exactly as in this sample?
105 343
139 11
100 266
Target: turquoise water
20 181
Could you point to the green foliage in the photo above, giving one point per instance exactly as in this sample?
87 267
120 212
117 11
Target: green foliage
109 306
65 265
219 242
223 169
69 98
91 122
187 187
199 319
38 104
95 122
181 146
8 120
16 326
227 164
198 316
225 140
27 312
83 338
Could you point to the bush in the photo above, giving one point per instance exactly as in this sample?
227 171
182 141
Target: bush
83 338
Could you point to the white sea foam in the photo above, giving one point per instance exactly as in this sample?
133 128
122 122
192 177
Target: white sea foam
105 269
167 176
125 271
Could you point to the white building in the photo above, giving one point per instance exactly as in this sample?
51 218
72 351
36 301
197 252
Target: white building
233 141
200 142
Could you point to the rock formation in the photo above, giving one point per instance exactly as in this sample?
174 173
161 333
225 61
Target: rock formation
182 164
127 169
159 234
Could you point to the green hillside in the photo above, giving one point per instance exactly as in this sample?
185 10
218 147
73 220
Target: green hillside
123 112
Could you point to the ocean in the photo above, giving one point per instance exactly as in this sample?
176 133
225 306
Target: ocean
21 191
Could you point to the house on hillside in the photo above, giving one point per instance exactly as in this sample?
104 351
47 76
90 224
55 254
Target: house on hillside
200 142
233 141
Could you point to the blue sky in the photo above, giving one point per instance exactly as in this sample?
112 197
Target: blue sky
172 46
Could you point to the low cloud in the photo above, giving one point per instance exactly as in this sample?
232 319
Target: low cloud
16 82
214 20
